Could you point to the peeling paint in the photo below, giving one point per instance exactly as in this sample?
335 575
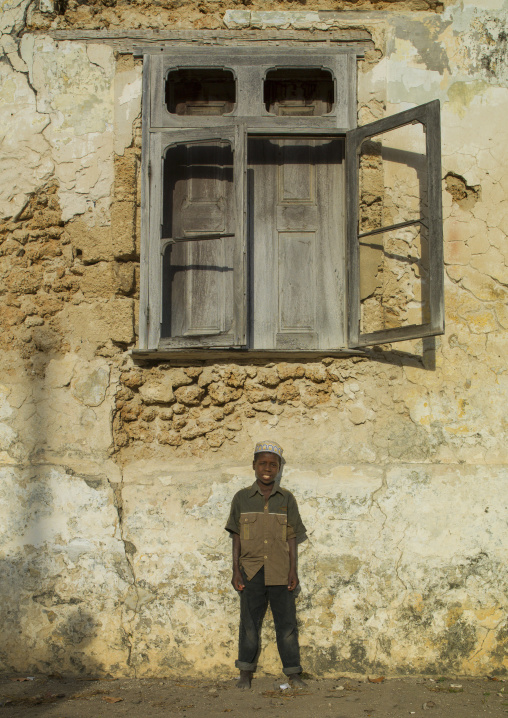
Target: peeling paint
116 477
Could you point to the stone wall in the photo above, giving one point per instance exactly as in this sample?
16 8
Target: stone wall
116 475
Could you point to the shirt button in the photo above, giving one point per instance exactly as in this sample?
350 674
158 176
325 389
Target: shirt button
266 556
266 541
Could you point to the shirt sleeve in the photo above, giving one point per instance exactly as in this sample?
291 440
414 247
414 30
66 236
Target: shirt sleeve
296 529
233 524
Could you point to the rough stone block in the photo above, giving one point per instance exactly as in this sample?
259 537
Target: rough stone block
132 379
172 438
125 176
290 371
255 393
179 422
216 438
208 375
287 391
91 385
178 377
268 377
235 376
268 407
23 280
106 278
358 414
234 423
92 243
316 372
97 322
189 395
309 395
221 394
46 339
370 262
158 391
193 430
234 19
123 226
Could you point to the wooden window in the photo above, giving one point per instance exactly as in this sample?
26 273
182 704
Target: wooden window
285 228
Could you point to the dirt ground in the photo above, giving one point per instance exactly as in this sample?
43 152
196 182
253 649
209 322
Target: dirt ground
56 697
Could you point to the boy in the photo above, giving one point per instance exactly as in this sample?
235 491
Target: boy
265 526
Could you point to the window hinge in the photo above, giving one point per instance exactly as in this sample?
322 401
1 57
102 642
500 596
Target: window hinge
147 313
149 168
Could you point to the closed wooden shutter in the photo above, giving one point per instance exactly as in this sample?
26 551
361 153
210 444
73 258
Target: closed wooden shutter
197 181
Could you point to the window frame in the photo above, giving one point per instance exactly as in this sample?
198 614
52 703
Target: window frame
429 116
249 65
252 64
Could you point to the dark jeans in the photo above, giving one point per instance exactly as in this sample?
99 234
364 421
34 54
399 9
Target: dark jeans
253 602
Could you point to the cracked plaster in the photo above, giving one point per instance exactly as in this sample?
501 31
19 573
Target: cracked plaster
59 119
119 560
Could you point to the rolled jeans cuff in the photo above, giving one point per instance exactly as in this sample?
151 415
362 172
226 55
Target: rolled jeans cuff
292 671
246 666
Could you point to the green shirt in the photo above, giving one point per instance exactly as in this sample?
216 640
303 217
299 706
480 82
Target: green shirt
265 528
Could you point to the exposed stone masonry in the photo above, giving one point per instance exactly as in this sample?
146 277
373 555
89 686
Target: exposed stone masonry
116 477
35 275
208 14
46 264
206 406
463 194
43 268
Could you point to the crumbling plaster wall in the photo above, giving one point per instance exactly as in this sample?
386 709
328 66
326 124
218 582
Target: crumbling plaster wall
117 478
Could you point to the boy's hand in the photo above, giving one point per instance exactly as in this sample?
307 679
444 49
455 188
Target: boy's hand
292 580
237 580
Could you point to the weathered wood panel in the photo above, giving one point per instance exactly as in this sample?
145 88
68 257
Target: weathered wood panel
197 236
297 237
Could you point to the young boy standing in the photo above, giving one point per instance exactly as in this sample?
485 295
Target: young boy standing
265 526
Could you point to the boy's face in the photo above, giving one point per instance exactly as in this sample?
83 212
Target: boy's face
266 467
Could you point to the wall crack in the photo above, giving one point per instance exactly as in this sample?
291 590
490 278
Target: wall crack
129 550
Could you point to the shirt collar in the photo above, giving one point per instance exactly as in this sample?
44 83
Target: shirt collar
255 489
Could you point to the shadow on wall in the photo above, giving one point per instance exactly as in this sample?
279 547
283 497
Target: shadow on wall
43 632
426 360
75 634
47 625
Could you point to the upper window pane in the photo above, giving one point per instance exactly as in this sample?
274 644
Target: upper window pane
200 92
393 178
297 91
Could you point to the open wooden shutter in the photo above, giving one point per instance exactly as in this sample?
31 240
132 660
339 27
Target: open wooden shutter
197 238
395 236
